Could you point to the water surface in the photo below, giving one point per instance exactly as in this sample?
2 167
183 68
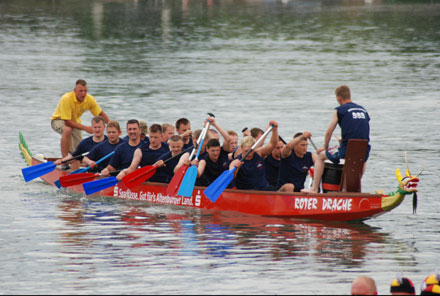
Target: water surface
247 62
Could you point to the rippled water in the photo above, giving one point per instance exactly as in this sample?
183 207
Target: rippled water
247 62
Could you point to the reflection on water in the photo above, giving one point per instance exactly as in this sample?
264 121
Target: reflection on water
248 62
216 234
98 238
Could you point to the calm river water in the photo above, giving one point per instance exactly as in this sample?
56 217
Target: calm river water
247 62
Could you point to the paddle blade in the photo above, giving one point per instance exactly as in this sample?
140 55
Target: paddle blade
35 171
188 182
75 179
57 183
139 176
219 185
98 185
175 182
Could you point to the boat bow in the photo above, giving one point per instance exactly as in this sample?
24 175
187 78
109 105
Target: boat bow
407 185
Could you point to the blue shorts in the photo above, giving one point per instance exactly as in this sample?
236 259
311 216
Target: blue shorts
340 153
335 157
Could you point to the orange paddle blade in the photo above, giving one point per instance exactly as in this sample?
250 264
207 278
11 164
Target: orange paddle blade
139 176
175 182
76 179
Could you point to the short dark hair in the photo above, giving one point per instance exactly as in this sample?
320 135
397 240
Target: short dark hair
255 131
98 119
181 121
133 121
298 135
81 81
155 128
213 143
175 138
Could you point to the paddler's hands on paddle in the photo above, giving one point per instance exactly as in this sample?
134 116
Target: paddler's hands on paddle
105 172
92 164
246 132
121 174
160 163
237 163
274 124
60 160
186 134
306 135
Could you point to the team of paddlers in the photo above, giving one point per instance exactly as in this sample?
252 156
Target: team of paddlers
276 165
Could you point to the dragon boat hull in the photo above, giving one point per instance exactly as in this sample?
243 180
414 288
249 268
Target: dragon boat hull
332 206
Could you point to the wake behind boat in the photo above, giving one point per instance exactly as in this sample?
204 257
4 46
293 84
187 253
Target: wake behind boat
331 206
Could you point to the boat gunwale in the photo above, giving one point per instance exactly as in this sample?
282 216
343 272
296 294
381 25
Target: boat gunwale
257 192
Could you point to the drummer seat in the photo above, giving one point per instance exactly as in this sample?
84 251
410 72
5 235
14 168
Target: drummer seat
354 163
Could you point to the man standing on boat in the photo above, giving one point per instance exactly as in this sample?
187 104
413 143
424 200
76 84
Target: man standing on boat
355 124
66 120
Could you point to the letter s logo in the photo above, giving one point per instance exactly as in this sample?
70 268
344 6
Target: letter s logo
198 199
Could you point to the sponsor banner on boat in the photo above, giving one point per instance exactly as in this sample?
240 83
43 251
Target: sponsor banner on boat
157 197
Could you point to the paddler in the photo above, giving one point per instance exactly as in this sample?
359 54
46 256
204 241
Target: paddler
295 163
250 174
149 155
124 152
99 151
86 145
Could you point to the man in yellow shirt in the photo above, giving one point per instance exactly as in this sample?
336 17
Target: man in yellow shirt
66 120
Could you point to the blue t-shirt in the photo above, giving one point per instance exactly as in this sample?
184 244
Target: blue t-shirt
124 155
293 169
150 156
189 144
85 146
272 167
213 169
101 150
252 175
354 122
167 172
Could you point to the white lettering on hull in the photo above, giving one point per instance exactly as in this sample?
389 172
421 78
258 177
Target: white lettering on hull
328 204
336 204
305 203
153 197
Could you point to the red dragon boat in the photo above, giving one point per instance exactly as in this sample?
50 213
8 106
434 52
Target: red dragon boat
330 206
